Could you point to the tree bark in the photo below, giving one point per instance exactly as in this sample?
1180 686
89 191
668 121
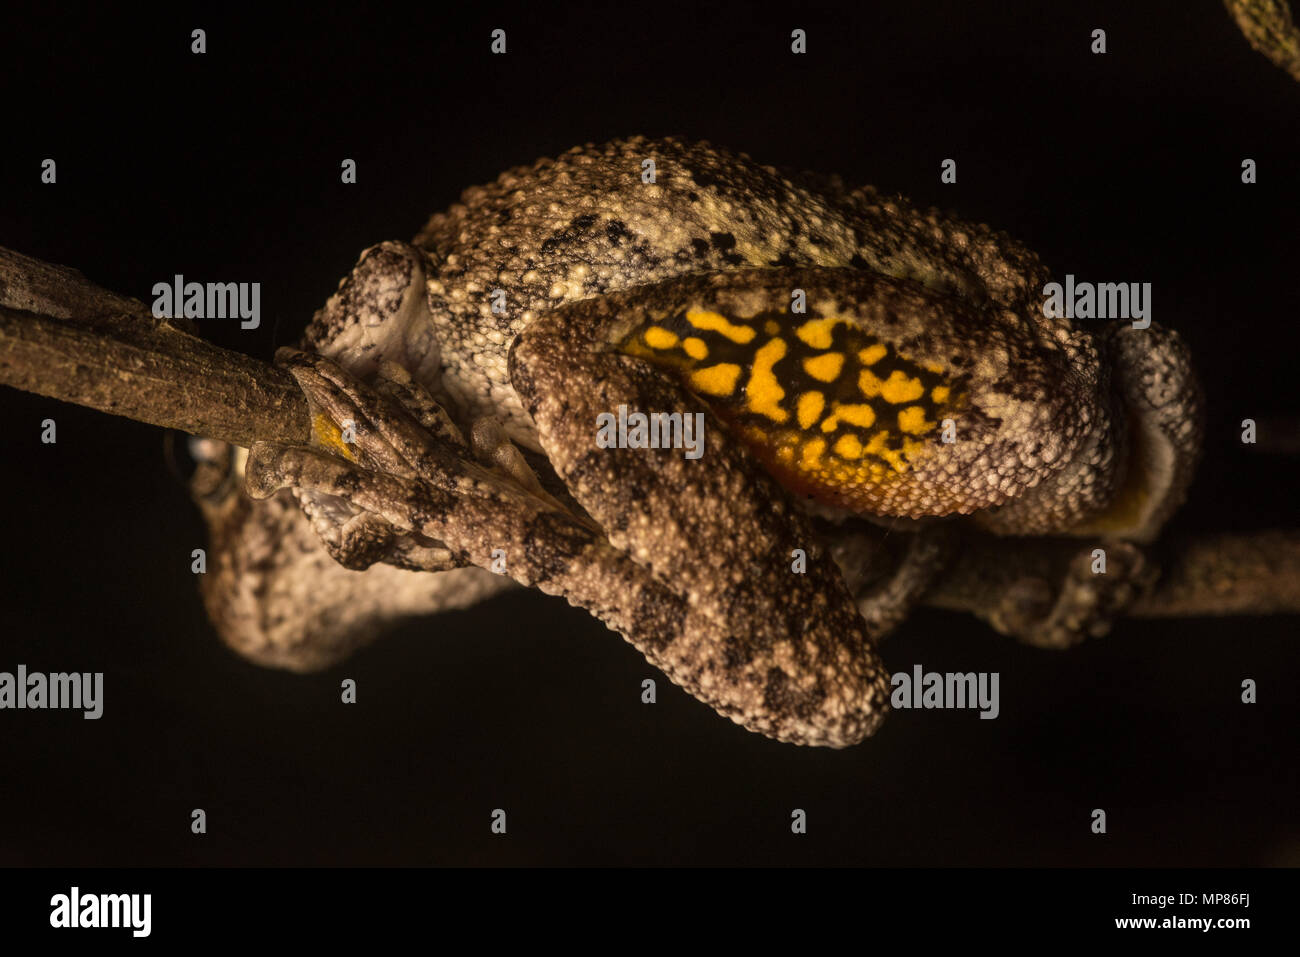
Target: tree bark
64 337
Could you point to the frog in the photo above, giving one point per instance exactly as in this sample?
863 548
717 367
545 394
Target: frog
874 380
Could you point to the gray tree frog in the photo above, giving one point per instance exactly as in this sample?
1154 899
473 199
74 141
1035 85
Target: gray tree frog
858 362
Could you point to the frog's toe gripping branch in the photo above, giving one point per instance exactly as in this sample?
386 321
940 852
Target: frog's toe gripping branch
779 650
1053 594
1078 603
341 412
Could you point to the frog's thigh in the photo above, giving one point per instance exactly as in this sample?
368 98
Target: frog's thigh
787 654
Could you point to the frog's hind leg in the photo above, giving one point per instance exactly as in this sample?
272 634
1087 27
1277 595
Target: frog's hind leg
771 636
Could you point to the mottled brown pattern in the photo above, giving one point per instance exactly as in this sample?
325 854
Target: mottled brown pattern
691 560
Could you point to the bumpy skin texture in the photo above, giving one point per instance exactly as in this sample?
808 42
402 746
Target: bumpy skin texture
585 224
569 288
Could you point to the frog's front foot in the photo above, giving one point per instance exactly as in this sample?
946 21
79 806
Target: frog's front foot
395 429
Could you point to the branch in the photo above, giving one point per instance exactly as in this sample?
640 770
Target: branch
64 337
1226 574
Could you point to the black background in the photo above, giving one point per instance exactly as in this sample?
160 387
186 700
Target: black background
226 167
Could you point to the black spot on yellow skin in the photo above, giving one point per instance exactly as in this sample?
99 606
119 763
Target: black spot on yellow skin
833 411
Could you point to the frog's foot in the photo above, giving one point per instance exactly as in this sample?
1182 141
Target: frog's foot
352 420
1082 603
1055 595
389 477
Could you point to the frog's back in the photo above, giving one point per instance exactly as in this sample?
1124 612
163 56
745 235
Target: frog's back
588 223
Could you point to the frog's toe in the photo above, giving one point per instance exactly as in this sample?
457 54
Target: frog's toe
356 542
1084 602
404 390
